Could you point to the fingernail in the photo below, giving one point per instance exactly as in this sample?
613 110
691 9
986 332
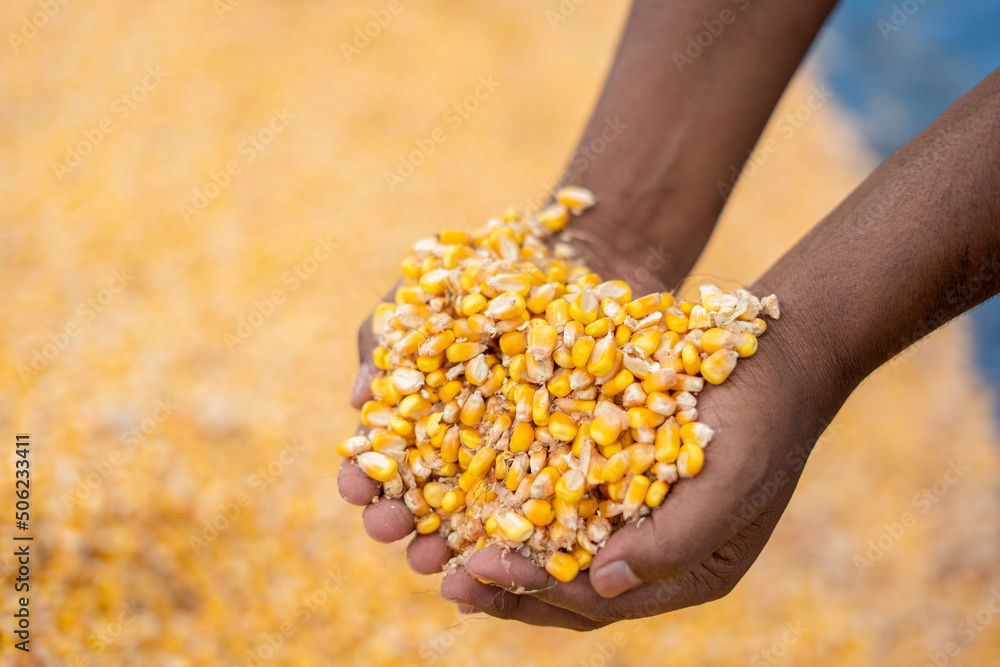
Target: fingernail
614 579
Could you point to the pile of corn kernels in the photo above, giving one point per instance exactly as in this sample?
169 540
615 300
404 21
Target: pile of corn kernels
523 401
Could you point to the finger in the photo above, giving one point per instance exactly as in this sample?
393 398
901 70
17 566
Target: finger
427 554
388 520
463 588
355 486
697 518
517 573
366 368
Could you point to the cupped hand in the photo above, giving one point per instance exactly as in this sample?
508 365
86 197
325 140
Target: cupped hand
697 545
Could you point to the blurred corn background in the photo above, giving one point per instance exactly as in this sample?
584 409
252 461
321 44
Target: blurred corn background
196 218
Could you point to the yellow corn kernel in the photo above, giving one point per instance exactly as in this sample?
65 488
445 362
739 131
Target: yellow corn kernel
617 489
644 417
522 437
666 300
518 368
514 527
636 493
354 445
587 507
544 484
690 460
471 438
450 470
575 198
465 457
434 494
555 216
602 359
599 328
381 358
687 306
452 501
562 426
540 407
563 357
616 467
562 566
507 306
717 367
428 523
466 482
676 320
377 466
414 407
401 425
696 433
472 410
450 445
498 375
557 312
411 268
437 343
375 414
430 364
608 451
584 307
746 345
656 493
453 237
435 282
462 330
463 351
622 335
413 294
588 281
715 339
582 350
618 383
472 304
661 404
490 525
482 462
605 429
480 493
540 298
667 445
640 457
613 310
582 556
659 380
571 486
616 290
450 390
689 383
384 391
538 511
643 306
691 360
559 385
542 341
513 343
647 341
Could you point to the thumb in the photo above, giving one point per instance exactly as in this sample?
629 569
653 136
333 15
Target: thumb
698 516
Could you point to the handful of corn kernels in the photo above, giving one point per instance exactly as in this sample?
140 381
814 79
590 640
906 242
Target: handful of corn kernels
524 402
